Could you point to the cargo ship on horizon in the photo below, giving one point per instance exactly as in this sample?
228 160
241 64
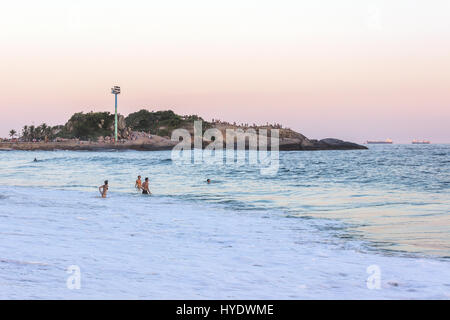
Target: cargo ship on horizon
421 141
387 141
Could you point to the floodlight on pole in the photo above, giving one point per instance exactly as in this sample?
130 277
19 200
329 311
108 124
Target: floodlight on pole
115 91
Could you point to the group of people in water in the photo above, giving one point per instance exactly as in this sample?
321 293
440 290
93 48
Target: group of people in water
142 186
139 185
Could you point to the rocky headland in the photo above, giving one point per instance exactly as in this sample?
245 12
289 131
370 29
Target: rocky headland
147 131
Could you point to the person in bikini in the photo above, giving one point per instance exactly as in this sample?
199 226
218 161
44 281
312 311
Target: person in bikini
103 189
145 189
138 184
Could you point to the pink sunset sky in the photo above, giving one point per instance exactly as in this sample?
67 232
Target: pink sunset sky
354 70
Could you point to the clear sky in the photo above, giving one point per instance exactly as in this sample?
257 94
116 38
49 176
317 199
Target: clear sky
354 70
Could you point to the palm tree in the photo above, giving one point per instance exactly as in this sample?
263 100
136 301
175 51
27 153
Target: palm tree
12 133
32 132
38 132
25 133
45 131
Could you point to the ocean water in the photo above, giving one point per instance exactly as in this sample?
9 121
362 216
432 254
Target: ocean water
360 224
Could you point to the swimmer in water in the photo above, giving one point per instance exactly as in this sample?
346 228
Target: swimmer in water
103 189
138 184
35 160
145 189
208 180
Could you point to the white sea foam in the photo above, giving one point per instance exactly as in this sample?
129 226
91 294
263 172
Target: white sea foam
132 246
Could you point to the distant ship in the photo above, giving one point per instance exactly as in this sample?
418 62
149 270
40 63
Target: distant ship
387 141
420 141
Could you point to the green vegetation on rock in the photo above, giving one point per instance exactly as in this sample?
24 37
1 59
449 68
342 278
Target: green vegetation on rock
161 123
92 125
89 125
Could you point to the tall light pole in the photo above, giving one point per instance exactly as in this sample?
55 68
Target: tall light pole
115 91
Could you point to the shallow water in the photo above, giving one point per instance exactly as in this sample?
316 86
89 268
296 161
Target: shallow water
310 231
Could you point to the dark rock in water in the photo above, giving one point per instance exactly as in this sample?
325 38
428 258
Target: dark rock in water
336 144
332 141
324 144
